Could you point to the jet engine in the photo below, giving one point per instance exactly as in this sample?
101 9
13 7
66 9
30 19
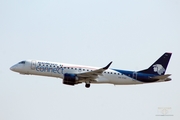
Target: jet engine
70 79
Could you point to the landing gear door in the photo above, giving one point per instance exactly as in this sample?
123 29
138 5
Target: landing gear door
33 64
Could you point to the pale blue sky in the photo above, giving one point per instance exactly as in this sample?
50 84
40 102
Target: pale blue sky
132 34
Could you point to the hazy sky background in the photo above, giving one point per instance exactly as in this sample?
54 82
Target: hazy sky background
133 34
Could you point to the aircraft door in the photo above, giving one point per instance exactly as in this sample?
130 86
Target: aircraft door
134 76
33 64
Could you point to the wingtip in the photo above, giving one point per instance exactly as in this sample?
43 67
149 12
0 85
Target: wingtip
108 65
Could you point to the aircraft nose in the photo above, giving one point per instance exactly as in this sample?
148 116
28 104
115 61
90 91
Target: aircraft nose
12 68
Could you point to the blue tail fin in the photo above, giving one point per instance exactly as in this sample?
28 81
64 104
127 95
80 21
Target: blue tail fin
159 67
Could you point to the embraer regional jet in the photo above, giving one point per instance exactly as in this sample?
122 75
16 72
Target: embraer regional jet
75 74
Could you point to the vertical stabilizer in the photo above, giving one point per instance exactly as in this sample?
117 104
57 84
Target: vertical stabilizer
159 67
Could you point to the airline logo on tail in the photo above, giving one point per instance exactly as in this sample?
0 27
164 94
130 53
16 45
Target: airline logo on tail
158 68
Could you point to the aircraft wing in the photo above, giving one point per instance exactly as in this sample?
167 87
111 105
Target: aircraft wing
161 76
92 75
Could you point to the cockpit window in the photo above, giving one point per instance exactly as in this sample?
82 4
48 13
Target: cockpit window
22 62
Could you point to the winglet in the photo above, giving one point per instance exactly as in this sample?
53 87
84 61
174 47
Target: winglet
107 66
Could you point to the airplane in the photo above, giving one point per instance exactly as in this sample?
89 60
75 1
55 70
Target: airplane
72 74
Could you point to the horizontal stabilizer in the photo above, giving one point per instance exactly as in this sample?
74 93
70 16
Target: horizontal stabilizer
161 76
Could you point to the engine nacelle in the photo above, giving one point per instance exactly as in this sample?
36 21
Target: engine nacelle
70 79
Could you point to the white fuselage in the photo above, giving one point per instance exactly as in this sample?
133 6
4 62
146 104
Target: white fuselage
53 69
76 74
